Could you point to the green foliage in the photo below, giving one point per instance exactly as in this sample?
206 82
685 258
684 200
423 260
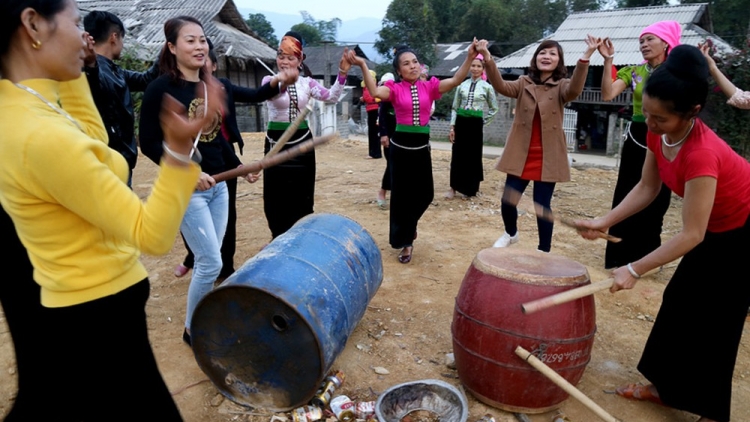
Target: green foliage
730 19
258 23
129 60
316 32
641 3
731 124
410 22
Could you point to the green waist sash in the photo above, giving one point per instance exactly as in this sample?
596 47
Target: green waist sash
285 125
413 129
469 113
639 118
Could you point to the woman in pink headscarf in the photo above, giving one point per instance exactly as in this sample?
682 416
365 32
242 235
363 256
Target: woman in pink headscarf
467 120
640 233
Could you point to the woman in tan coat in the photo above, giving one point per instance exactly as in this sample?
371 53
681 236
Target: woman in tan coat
536 148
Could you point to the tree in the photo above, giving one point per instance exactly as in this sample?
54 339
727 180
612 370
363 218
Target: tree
448 16
732 124
315 32
409 22
258 23
730 19
641 3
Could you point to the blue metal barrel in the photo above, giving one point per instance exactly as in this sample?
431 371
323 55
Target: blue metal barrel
268 336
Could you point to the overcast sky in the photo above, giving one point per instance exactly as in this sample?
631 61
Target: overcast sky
322 9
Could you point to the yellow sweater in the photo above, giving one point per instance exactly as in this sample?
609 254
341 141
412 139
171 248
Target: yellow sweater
65 191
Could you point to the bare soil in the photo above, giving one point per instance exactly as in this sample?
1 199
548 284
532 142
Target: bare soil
406 328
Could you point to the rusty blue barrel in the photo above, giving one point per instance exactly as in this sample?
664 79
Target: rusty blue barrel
268 336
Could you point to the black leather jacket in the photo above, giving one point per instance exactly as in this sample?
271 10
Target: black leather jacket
111 87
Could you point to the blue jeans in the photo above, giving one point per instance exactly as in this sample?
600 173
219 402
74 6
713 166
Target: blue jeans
203 227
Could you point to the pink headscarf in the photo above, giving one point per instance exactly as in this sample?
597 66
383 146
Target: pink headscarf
669 32
481 58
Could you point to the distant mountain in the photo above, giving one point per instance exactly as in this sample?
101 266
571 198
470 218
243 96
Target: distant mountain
362 31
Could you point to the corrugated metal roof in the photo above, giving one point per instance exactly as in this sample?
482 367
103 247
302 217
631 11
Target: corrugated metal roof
222 23
622 26
316 60
449 57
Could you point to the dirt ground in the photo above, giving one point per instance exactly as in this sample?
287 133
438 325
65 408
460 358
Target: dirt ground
406 328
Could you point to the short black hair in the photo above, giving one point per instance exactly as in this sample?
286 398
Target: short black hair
101 24
682 81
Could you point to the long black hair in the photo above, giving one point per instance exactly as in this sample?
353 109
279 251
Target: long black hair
560 71
10 16
167 60
681 82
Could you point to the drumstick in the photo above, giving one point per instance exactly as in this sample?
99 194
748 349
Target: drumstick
566 296
271 161
291 129
564 384
546 214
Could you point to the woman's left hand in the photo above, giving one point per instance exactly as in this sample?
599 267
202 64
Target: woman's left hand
592 44
473 51
623 280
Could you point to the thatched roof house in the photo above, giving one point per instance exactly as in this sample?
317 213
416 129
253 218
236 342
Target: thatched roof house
223 23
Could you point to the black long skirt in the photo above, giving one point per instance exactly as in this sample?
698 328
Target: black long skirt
691 351
641 232
390 125
466 159
288 188
412 188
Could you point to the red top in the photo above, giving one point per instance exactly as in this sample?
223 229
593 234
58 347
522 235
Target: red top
370 102
705 154
532 170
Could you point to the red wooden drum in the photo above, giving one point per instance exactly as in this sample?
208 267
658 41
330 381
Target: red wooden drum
488 324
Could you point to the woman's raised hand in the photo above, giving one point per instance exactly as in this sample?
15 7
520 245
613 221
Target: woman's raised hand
592 43
473 52
705 48
345 63
353 59
288 76
606 48
179 131
482 47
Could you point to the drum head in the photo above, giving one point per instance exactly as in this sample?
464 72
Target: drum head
531 267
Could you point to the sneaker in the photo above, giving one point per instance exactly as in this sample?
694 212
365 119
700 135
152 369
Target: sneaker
506 240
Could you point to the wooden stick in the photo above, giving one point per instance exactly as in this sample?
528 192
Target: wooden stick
571 223
566 296
291 130
279 158
564 384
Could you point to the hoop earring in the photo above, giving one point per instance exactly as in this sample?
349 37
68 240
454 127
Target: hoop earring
36 45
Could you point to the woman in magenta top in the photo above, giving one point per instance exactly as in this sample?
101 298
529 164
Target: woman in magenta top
690 354
412 188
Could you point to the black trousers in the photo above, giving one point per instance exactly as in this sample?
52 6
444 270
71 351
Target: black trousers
641 232
229 244
373 138
542 195
289 188
466 159
412 186
691 351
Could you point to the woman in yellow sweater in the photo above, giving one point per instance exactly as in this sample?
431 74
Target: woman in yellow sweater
82 227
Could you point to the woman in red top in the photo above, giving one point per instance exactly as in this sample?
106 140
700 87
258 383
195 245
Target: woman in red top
690 354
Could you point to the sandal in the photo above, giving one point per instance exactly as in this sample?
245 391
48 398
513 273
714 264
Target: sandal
403 257
382 203
638 392
180 270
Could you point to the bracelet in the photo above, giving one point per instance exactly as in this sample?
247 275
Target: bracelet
583 60
343 71
609 57
183 158
632 271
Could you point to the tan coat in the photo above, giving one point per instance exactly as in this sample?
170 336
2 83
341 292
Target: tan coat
551 98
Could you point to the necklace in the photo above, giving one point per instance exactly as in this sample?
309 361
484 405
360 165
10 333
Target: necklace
52 106
668 145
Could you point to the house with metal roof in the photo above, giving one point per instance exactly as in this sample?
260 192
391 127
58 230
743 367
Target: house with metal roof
597 125
449 57
243 57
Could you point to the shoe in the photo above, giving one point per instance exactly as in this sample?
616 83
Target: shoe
404 257
450 194
180 270
186 338
383 204
638 392
506 240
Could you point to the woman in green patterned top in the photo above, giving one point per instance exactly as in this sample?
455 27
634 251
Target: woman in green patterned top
467 121
640 233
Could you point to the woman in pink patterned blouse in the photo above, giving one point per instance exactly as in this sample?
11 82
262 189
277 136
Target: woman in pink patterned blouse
737 97
412 188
